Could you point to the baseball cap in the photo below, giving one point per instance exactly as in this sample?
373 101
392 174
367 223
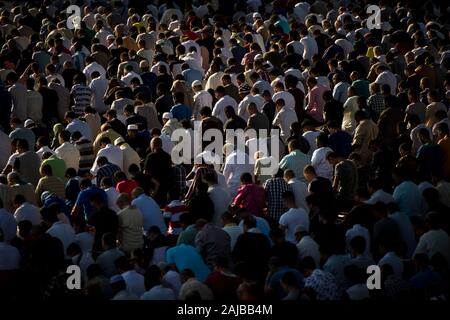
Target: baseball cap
196 83
167 115
132 127
119 141
28 123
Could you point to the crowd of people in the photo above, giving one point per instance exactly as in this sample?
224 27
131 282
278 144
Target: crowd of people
90 117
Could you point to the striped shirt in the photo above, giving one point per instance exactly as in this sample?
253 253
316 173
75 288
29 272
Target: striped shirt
172 212
87 155
81 97
107 171
52 184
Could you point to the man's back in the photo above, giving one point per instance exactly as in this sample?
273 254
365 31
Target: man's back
131 223
212 242
29 163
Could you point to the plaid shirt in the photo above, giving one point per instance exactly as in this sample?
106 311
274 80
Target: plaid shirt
376 103
275 187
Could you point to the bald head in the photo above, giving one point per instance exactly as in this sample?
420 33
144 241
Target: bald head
123 201
155 144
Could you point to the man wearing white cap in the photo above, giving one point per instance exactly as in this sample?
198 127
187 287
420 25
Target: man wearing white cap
202 98
170 124
111 42
130 156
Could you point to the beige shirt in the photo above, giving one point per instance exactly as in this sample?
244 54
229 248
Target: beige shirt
131 229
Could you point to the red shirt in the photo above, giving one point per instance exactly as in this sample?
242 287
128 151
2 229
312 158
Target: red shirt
126 186
251 197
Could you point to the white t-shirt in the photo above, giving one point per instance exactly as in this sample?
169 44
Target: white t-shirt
291 219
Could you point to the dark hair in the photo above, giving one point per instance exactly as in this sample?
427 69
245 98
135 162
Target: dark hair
358 243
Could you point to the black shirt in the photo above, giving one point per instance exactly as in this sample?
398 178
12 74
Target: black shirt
118 127
235 123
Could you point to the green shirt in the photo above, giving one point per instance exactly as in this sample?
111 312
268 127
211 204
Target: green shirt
58 166
362 87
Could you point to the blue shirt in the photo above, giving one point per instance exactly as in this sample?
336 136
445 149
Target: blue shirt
295 161
261 224
275 280
187 257
408 198
181 112
190 75
341 143
50 199
83 199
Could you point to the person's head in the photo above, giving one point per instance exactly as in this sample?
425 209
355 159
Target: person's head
424 135
312 82
293 145
374 88
219 92
73 250
155 144
154 232
166 117
249 223
15 123
405 149
18 200
288 199
357 245
46 170
442 130
333 126
433 96
137 192
288 175
186 274
246 178
279 104
307 266
227 218
123 201
122 264
322 140
252 108
64 136
333 158
229 112
178 97
109 240
205 112
49 215
309 172
360 115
